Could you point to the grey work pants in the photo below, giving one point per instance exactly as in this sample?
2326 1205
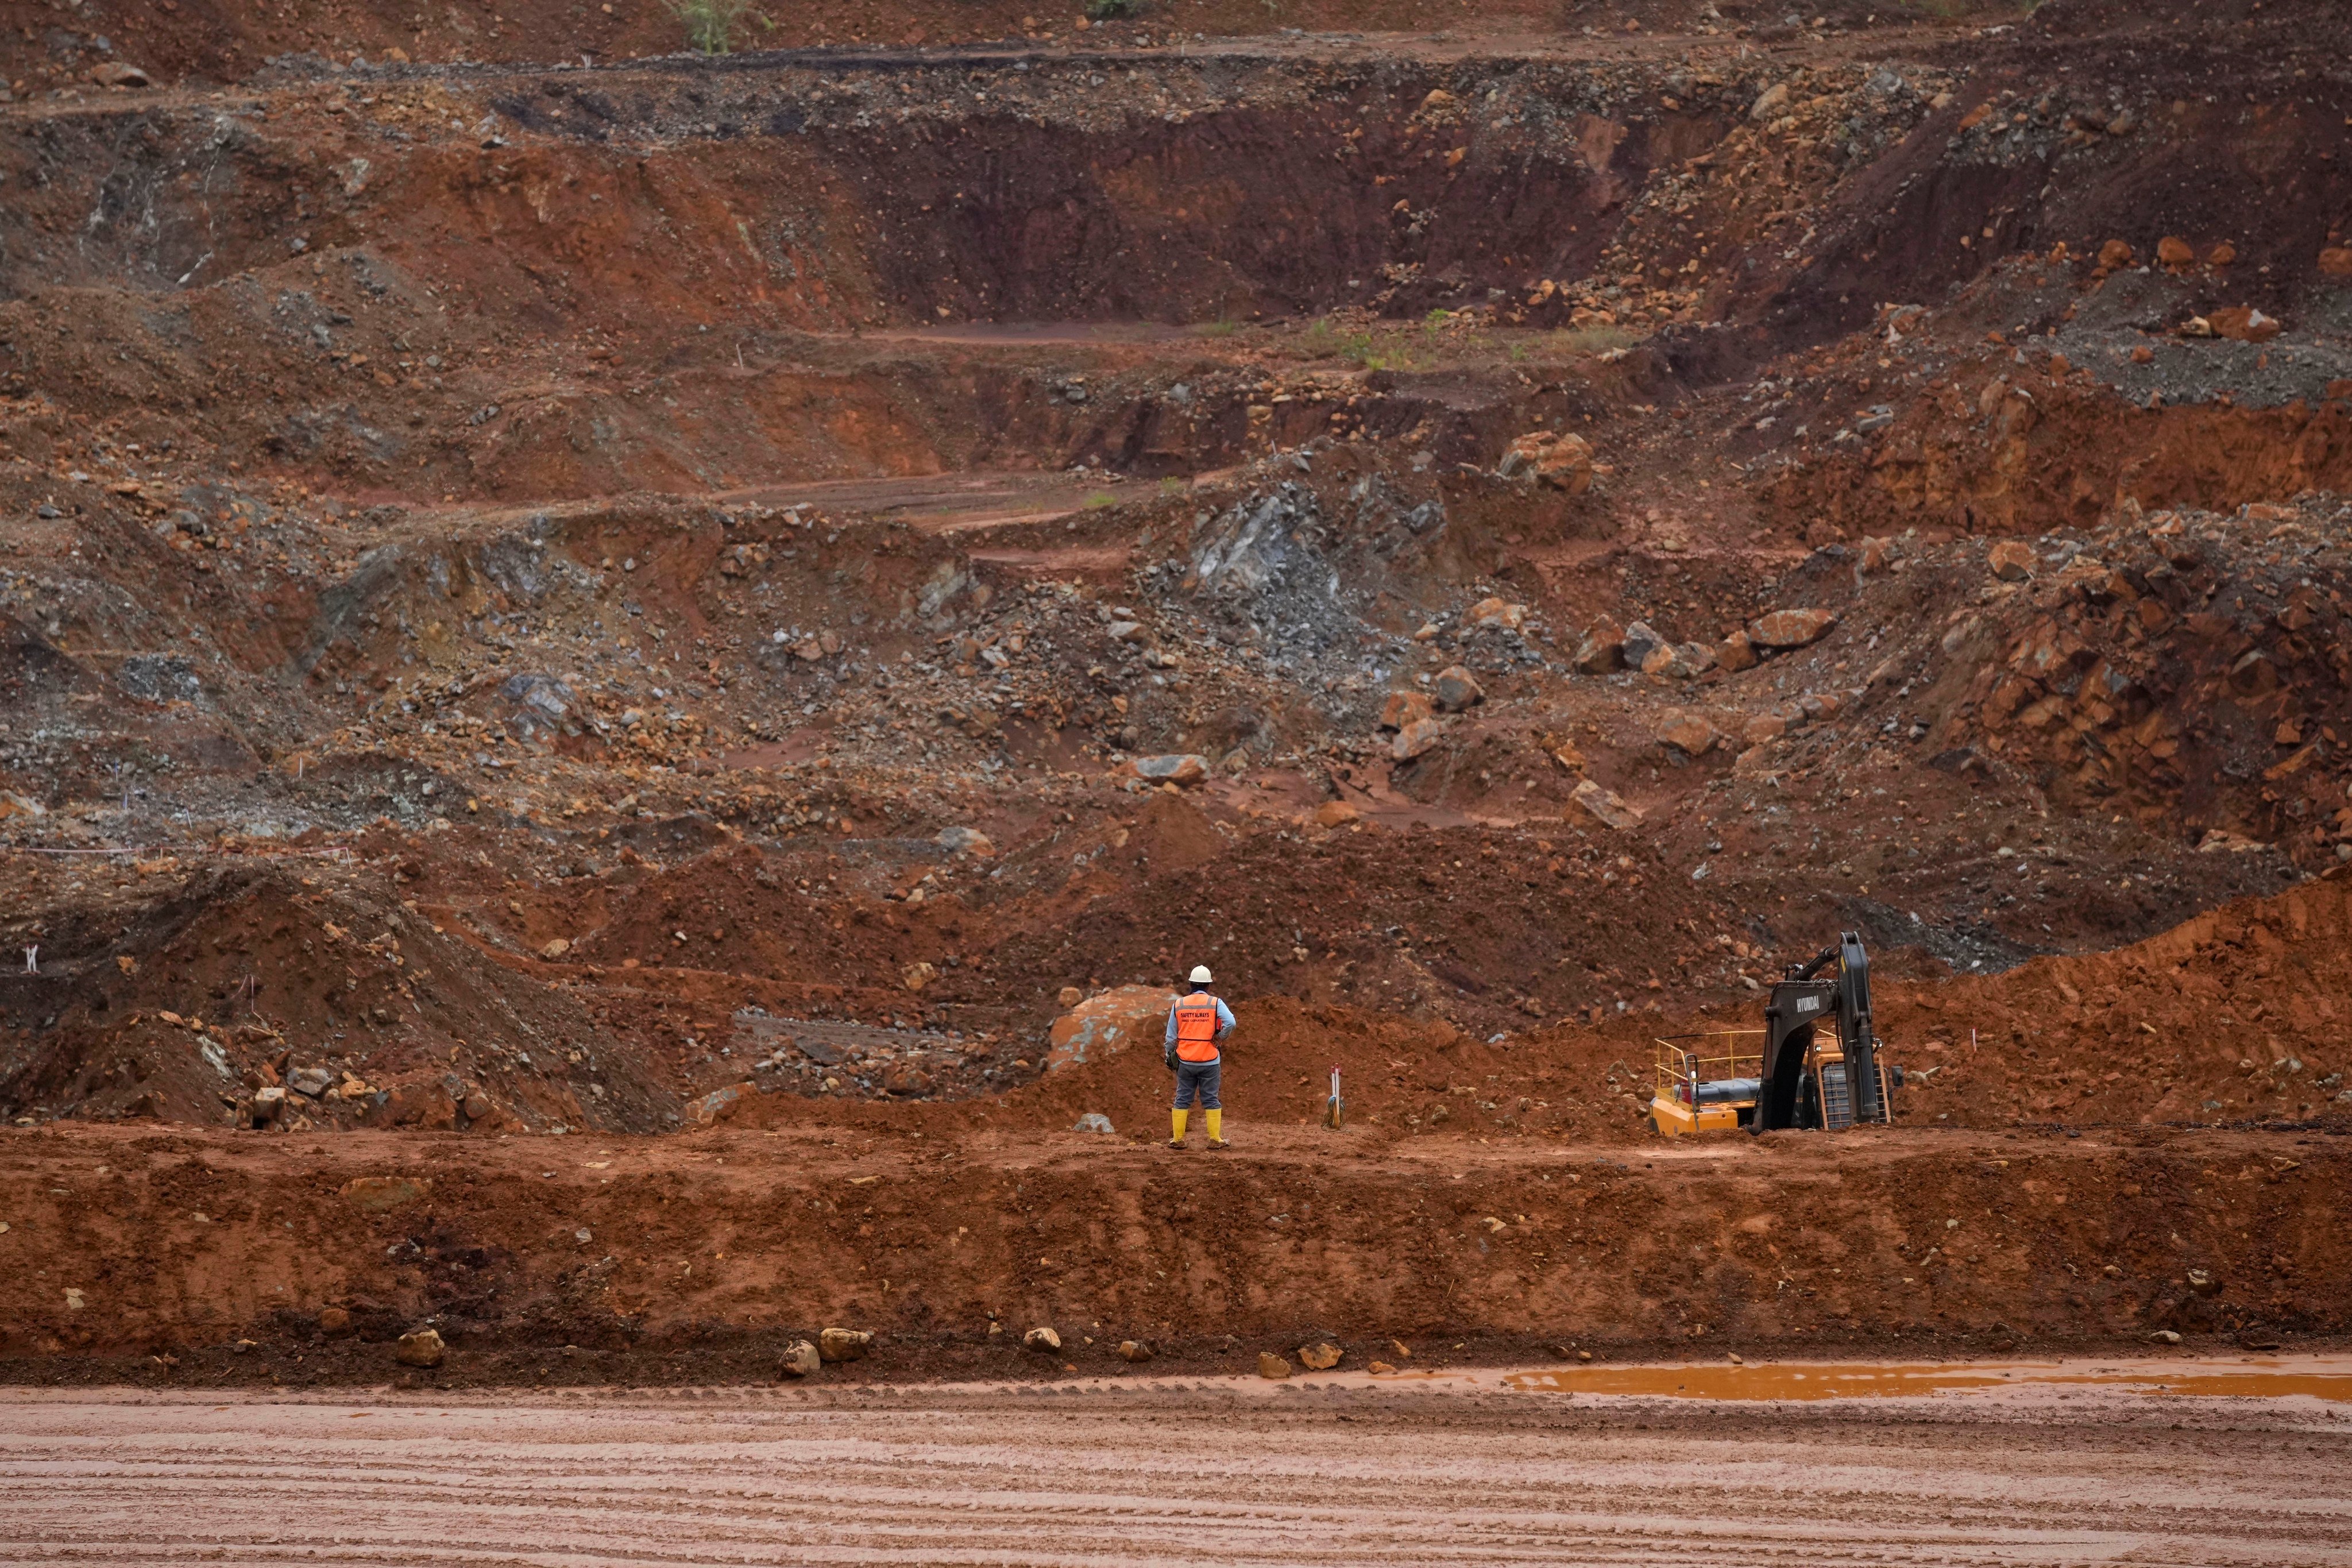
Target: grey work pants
1198 1078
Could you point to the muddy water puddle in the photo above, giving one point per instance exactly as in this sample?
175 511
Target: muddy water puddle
2327 1378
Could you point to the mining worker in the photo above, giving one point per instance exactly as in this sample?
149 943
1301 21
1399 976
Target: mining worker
1197 1027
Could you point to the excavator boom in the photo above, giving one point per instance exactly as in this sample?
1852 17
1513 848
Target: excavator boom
1833 988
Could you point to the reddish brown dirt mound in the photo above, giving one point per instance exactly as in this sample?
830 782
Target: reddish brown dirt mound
678 1257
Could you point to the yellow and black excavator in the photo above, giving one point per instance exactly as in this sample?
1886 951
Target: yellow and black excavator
1813 1065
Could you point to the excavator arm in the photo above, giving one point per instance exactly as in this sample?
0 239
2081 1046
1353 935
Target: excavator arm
1833 987
1854 1028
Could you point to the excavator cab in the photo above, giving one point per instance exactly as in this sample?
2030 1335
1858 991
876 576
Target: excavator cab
1813 1065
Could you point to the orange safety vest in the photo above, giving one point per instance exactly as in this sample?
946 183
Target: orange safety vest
1196 1027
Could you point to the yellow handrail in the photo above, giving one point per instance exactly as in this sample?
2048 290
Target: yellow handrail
1685 1061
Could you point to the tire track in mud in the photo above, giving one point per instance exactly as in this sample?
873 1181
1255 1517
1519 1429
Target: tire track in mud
1158 1476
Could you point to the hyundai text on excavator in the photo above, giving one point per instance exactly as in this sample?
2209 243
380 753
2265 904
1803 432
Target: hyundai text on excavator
1813 1065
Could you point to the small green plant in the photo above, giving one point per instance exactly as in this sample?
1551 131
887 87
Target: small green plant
1221 327
711 24
1100 500
1365 350
1172 486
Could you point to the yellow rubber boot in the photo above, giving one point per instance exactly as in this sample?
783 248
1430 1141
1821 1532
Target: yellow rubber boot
1216 1127
1181 1117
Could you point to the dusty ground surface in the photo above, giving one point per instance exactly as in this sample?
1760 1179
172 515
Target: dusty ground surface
624 677
1174 1473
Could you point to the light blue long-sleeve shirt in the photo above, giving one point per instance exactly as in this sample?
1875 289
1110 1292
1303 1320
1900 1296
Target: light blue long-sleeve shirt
1225 1023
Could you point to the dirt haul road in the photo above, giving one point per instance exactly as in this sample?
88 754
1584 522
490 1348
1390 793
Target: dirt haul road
1209 1472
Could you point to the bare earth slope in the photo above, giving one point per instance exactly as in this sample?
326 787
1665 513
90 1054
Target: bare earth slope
657 659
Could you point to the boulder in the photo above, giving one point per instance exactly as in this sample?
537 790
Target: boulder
2114 256
420 1347
2175 252
1272 1365
1103 1024
1735 652
2335 261
2011 560
1784 629
1134 1350
1402 708
1639 643
1770 104
1763 728
334 1320
1320 1356
906 1078
1456 688
720 1103
843 1344
1689 735
1601 649
478 1107
1042 1339
1183 769
1336 813
801 1358
1588 800
1497 613
1680 661
1092 1121
1415 738
2242 324
968 841
1552 458
916 975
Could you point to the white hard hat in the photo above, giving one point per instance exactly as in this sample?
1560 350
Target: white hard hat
1200 975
